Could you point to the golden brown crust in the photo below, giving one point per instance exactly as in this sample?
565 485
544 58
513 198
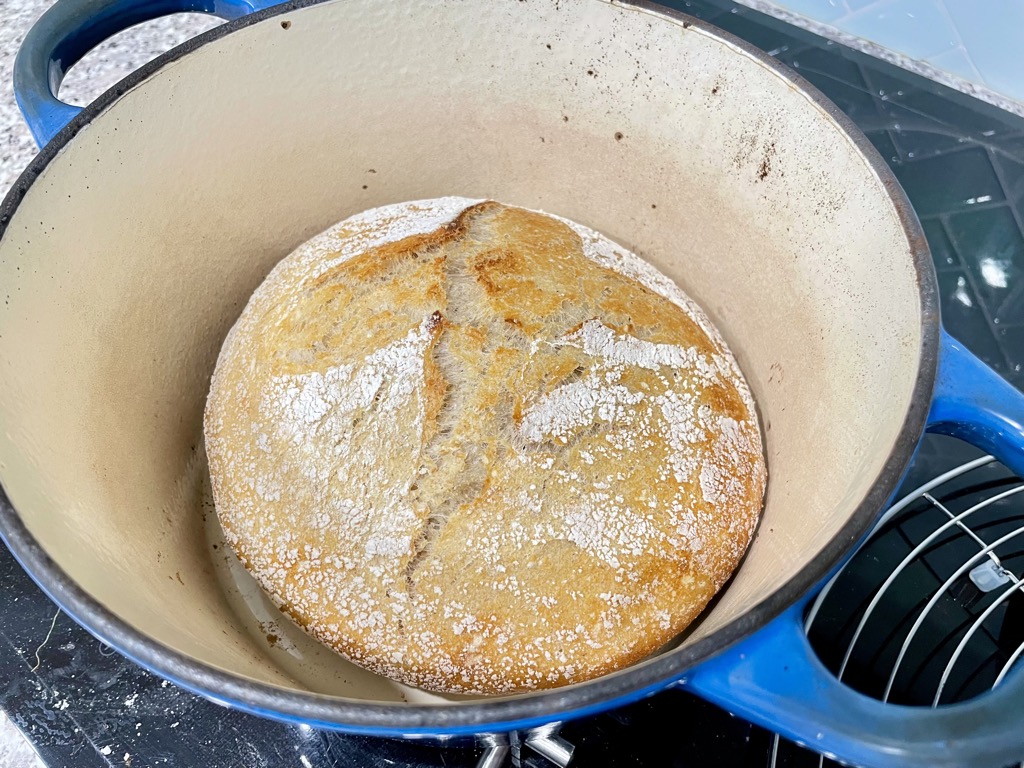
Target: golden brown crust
477 458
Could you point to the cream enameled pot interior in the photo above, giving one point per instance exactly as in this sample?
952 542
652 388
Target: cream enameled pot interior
134 252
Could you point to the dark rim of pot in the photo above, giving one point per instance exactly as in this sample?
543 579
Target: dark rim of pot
530 709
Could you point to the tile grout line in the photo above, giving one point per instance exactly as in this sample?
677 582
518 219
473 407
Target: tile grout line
879 115
1018 219
969 277
973 208
944 10
959 261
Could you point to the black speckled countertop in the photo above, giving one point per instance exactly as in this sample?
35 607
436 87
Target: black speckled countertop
962 164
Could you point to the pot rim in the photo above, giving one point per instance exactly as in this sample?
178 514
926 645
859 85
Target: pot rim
525 710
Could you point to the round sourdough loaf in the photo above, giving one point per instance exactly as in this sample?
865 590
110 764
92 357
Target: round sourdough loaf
480 449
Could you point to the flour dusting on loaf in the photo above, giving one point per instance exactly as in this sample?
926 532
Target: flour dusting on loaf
480 449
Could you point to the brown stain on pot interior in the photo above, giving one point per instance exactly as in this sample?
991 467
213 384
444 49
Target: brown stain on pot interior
766 162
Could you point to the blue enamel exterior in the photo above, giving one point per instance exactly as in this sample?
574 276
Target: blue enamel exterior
775 679
72 28
975 404
772 677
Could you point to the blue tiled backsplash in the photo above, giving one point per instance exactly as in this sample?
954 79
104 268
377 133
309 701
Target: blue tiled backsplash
977 42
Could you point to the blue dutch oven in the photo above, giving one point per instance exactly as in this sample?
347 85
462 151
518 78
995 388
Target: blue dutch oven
130 244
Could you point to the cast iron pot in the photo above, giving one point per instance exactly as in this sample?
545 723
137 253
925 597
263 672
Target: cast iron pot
131 243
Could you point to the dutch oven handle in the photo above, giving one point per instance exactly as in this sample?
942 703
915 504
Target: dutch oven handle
974 403
72 28
775 678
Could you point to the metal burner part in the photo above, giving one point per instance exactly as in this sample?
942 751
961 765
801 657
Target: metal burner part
546 746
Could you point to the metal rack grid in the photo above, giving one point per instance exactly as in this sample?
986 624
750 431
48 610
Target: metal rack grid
930 610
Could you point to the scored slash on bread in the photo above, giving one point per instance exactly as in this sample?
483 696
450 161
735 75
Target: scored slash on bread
479 449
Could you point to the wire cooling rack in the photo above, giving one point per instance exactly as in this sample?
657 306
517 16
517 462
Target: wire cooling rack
930 610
